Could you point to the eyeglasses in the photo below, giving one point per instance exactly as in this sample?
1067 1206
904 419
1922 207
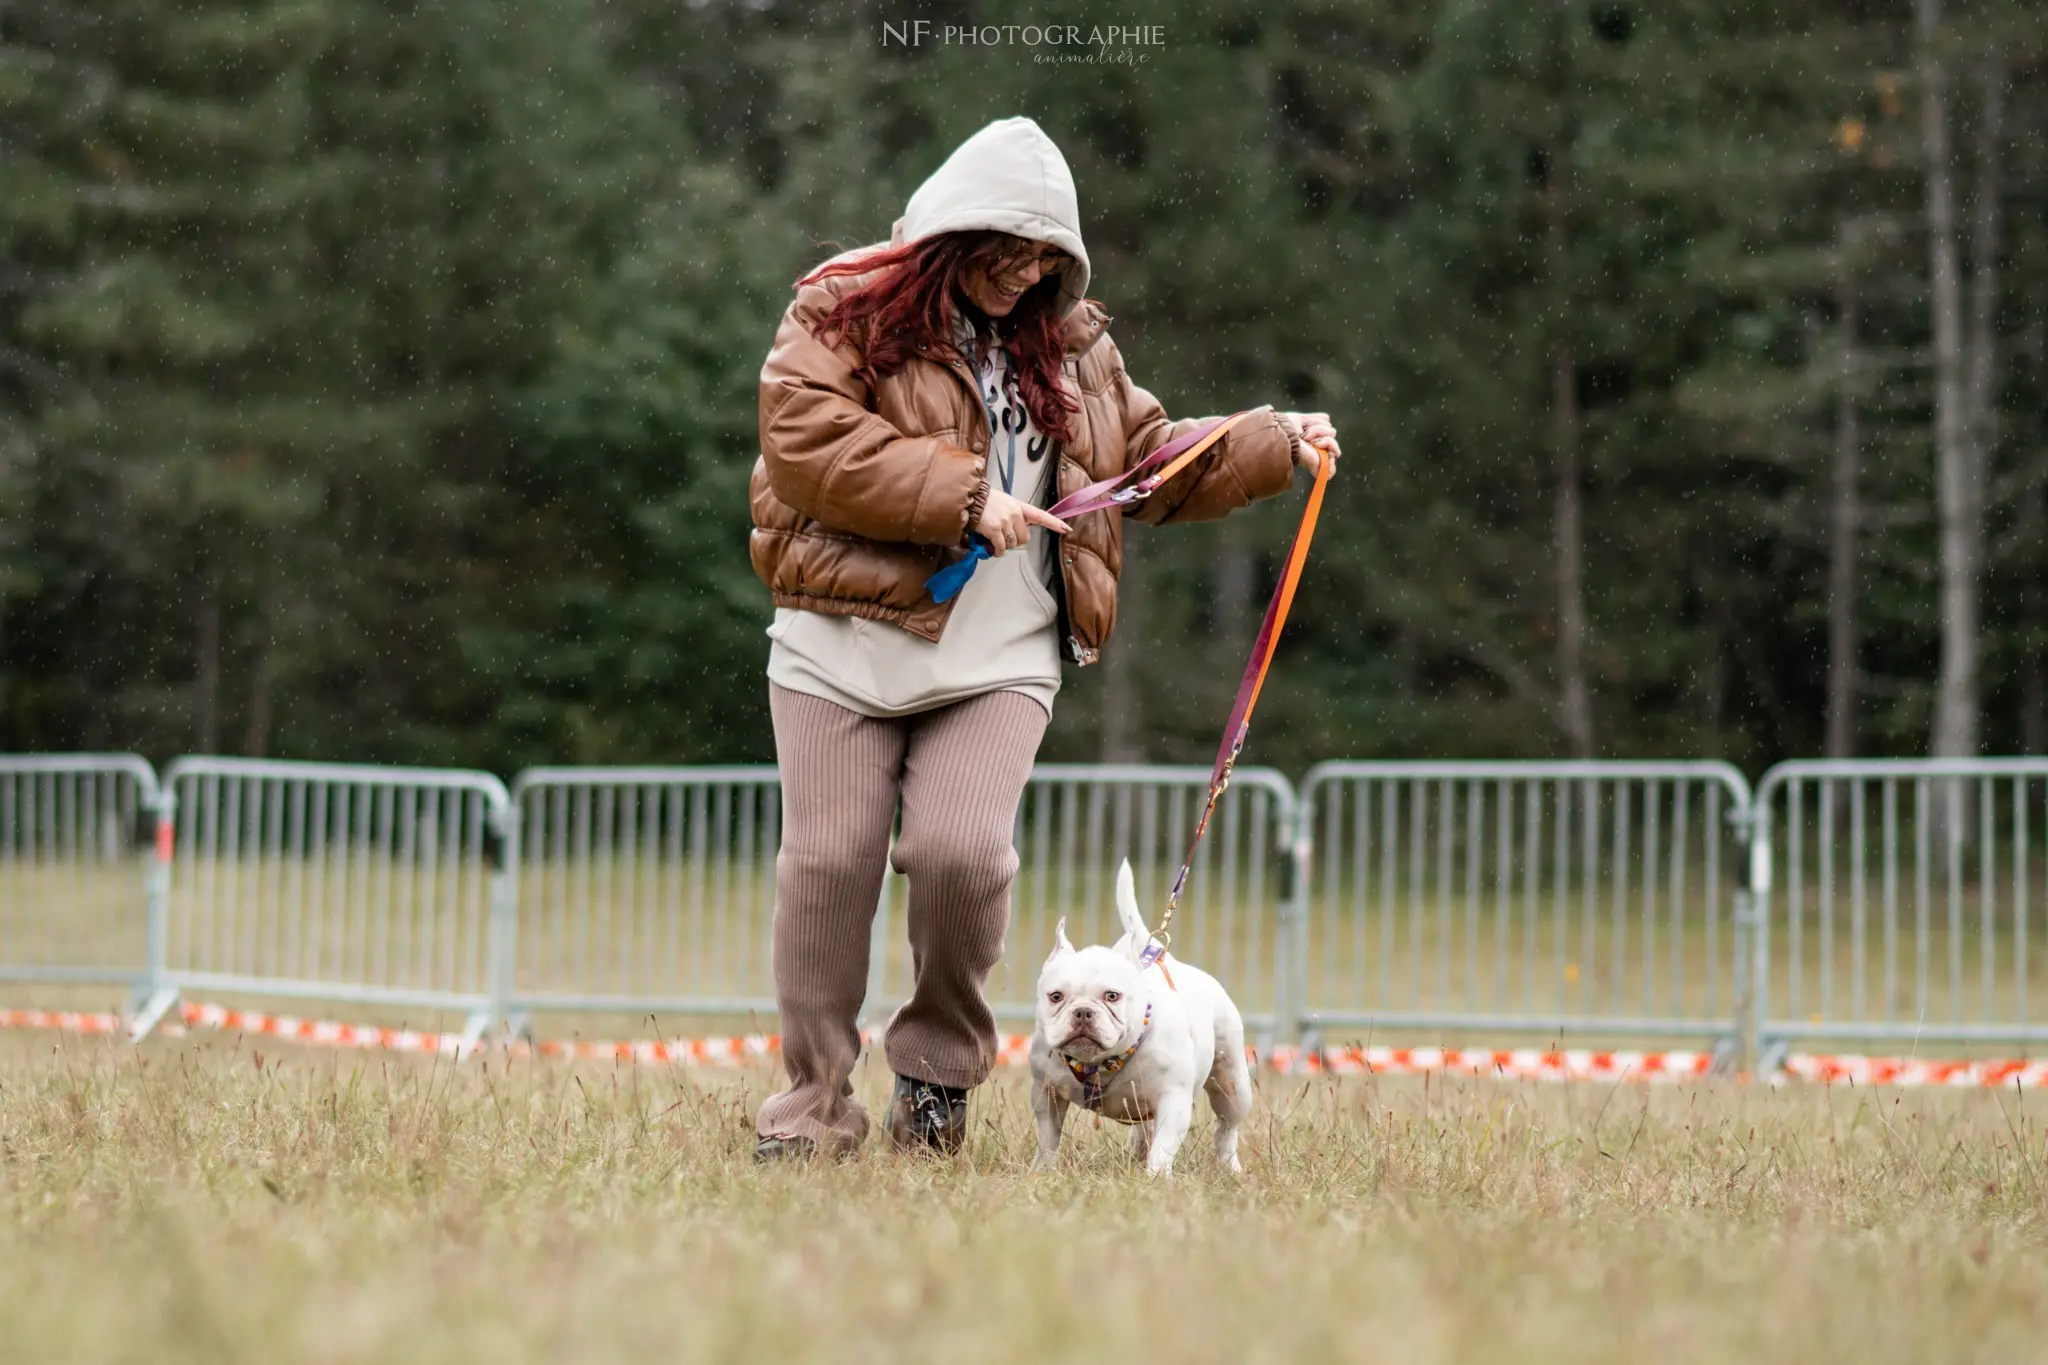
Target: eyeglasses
1050 261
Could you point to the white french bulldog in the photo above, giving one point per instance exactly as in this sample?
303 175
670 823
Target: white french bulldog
1133 1041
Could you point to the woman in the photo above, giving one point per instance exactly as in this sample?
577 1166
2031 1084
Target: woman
954 383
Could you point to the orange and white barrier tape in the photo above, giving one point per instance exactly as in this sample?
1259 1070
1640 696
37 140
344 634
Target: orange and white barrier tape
1015 1050
67 1021
739 1051
320 1032
743 1050
1012 1050
1524 1064
1914 1071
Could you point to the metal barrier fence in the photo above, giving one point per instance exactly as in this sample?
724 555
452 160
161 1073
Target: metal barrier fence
1573 898
77 871
1906 906
652 889
646 889
343 882
1879 900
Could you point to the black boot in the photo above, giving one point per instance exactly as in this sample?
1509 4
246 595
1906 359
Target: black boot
784 1149
927 1117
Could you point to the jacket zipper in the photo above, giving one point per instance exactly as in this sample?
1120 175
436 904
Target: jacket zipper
1071 642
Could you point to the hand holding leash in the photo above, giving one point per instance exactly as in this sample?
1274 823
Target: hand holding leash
1317 434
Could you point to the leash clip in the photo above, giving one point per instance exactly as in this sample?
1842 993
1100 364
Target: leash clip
1155 955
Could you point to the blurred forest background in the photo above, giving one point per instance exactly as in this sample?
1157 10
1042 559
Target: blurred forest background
377 380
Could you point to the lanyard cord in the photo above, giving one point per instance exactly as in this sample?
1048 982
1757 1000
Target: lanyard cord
1007 472
948 582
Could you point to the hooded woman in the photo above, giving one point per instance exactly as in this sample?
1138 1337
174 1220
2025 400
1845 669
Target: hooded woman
925 401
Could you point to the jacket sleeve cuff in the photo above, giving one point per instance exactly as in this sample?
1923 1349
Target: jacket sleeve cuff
977 503
1298 447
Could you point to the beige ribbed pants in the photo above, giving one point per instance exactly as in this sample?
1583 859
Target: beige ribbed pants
958 772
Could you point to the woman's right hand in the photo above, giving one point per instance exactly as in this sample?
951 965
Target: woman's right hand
1006 521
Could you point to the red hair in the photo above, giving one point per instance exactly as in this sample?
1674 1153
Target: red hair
911 304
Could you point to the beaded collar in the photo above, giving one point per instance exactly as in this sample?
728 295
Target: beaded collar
1094 1077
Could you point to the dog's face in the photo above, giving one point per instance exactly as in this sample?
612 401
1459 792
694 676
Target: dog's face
1091 1001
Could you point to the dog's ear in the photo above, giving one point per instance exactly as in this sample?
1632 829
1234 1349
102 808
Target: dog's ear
1060 944
1136 935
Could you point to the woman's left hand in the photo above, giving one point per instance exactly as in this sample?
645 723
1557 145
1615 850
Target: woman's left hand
1317 434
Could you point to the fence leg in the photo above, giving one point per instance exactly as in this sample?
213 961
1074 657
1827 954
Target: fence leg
156 997
504 932
1293 947
1745 978
1753 940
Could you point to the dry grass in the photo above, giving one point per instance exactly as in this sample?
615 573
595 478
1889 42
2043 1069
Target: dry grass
196 1201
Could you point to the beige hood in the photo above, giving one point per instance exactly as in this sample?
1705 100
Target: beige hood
1011 178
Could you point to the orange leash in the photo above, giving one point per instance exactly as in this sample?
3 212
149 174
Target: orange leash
1240 722
1134 486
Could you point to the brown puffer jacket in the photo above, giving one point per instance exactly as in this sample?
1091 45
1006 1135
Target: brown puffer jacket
859 496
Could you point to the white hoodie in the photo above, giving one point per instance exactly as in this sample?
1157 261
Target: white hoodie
1002 634
1011 178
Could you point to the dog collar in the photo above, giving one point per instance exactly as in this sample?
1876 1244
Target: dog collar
1094 1077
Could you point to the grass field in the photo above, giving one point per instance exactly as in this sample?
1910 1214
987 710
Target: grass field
209 1201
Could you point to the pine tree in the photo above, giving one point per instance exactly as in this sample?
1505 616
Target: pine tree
173 159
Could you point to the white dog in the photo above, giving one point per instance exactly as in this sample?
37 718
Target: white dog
1134 1041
